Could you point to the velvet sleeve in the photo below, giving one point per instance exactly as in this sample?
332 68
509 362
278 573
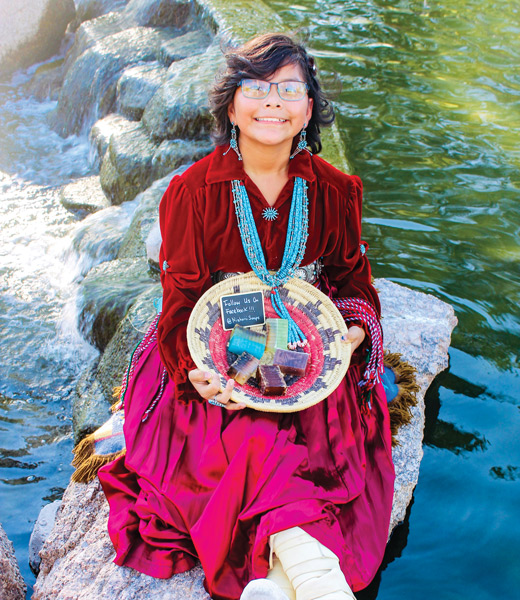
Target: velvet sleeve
185 277
347 267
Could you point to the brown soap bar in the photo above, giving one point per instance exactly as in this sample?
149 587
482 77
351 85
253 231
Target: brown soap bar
243 368
271 380
291 362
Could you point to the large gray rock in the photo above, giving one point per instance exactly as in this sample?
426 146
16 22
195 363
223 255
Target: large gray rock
94 392
106 294
104 129
129 333
12 585
132 161
90 9
90 406
89 88
84 195
41 531
76 560
419 327
133 243
180 108
31 31
47 80
237 22
176 155
98 238
136 87
159 13
126 167
184 46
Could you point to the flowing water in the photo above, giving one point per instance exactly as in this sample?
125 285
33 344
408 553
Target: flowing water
41 352
429 114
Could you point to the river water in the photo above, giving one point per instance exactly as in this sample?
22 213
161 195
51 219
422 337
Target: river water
41 353
429 114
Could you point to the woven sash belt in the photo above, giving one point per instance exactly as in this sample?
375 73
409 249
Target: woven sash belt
309 273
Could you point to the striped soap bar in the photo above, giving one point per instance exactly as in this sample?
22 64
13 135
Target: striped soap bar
271 381
291 362
245 340
277 334
243 368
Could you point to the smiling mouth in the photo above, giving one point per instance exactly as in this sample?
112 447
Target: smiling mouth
270 120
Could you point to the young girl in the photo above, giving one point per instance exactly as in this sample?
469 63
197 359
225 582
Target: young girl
284 505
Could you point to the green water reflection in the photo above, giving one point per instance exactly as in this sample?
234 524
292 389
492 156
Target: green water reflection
429 112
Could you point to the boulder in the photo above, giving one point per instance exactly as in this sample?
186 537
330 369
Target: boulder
90 406
90 9
98 238
89 88
94 31
31 31
180 107
126 167
237 22
133 243
184 46
76 559
106 294
176 155
103 130
47 80
129 333
419 327
153 246
132 160
94 392
136 86
159 13
84 195
12 585
41 531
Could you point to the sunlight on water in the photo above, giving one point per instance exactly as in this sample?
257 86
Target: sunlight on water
429 117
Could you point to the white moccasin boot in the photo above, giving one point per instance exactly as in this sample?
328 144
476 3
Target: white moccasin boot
262 589
312 569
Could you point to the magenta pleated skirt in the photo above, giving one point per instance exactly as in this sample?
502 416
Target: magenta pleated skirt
201 483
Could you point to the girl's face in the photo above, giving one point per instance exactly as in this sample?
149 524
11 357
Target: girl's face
271 121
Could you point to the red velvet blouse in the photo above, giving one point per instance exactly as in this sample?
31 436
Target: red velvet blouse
200 235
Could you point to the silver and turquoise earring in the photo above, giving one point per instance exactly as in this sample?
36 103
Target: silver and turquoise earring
233 142
302 143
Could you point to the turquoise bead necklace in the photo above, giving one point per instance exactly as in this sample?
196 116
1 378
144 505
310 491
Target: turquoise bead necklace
295 243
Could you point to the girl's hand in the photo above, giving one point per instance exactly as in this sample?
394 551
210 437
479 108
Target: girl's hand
208 386
355 336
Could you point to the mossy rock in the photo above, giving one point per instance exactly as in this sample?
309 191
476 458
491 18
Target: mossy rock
129 333
126 167
180 107
105 296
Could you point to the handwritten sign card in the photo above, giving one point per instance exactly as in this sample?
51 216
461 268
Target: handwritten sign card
242 309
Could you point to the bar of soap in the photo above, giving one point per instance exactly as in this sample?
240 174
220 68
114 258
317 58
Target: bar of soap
267 357
243 368
271 381
245 340
291 362
277 334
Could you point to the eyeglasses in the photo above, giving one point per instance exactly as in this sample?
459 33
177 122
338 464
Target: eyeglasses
258 89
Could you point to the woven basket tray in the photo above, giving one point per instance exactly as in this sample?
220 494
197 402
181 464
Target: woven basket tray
314 312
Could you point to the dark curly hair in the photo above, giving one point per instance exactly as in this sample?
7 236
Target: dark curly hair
259 58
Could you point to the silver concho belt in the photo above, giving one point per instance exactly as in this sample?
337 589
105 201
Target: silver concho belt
308 273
